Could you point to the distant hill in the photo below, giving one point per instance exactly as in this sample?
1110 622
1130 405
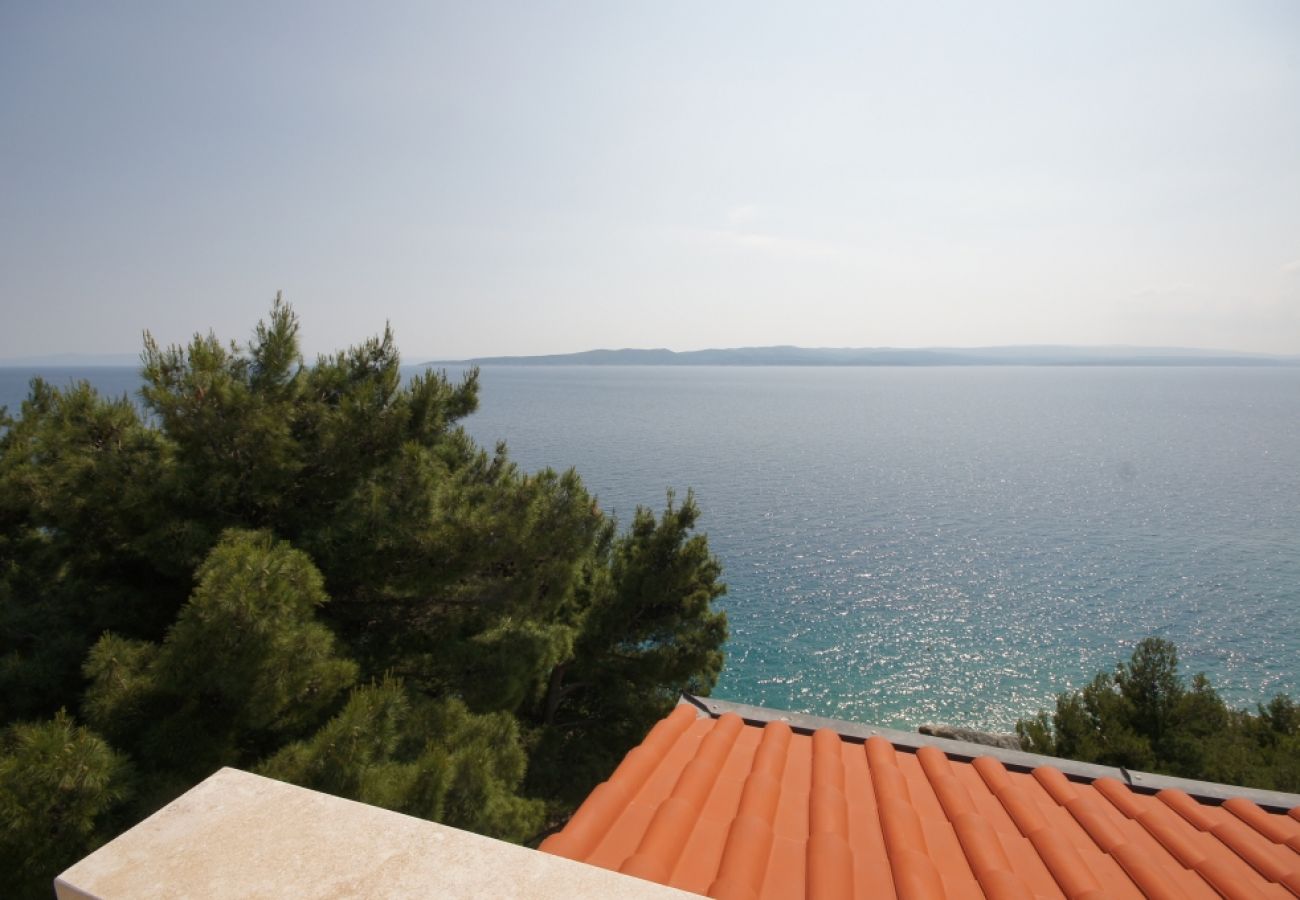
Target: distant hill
885 356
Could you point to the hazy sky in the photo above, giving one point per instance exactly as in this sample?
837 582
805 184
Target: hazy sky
546 177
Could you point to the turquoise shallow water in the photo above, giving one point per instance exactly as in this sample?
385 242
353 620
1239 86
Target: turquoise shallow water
916 544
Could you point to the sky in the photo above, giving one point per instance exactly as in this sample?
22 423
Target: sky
524 178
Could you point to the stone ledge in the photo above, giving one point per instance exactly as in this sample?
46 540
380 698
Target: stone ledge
239 835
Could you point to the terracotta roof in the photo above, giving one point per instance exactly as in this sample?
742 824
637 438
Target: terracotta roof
737 807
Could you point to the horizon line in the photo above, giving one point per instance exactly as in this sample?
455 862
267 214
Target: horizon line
121 359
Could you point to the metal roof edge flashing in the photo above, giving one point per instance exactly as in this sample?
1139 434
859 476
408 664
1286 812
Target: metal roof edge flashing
700 704
1018 760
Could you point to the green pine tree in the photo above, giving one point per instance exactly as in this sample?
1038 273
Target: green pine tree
1144 716
59 788
311 570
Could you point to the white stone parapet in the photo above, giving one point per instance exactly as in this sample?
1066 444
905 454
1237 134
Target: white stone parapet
238 835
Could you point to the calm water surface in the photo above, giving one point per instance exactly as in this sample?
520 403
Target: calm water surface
956 544
912 544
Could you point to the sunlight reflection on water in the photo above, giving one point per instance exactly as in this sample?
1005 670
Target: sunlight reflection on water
904 545
909 545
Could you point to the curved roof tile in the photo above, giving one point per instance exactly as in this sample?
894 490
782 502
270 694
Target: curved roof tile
756 810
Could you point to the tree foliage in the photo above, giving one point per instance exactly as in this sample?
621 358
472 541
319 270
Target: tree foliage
1145 716
59 785
310 570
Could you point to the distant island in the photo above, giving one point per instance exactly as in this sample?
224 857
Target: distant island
886 356
1038 355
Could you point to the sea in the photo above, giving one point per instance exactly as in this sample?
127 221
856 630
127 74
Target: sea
909 545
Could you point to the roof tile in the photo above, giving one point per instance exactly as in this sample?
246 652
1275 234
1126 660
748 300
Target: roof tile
1123 799
594 818
656 855
1174 835
1276 828
735 810
749 841
1153 879
1181 803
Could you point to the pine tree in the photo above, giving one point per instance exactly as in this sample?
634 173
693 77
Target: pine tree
59 785
311 570
1144 716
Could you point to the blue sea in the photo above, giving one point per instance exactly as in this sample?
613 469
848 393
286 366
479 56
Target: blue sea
909 545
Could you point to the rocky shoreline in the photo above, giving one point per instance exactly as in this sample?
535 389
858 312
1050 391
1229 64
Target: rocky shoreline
972 736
